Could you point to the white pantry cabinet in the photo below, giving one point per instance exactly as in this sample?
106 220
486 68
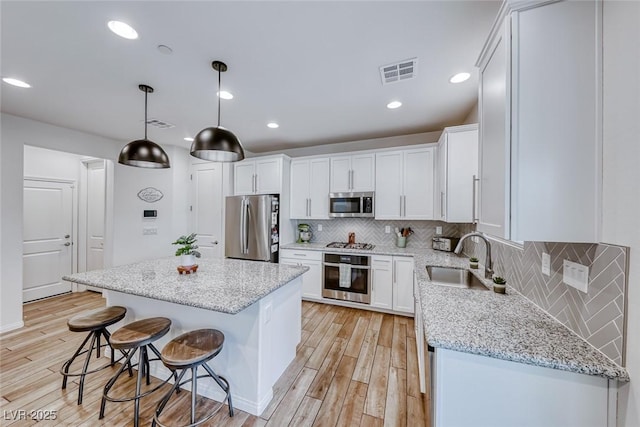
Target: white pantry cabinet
312 279
456 199
540 115
354 173
261 175
382 282
404 184
310 189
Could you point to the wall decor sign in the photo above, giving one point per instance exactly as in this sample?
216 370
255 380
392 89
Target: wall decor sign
150 194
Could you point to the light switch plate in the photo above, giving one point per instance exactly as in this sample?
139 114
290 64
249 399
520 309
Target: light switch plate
575 275
149 231
546 264
438 230
319 227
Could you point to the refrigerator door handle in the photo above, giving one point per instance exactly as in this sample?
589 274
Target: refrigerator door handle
242 219
246 227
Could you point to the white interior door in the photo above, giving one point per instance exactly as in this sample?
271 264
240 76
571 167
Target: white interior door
48 241
96 186
207 208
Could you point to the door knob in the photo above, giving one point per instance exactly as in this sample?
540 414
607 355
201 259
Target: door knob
67 244
215 242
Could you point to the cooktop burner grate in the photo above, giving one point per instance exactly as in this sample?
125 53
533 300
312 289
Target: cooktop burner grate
359 246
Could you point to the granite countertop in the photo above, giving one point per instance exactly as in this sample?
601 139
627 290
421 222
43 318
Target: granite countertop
507 327
226 285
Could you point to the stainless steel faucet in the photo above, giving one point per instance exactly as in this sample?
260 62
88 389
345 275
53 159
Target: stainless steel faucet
488 263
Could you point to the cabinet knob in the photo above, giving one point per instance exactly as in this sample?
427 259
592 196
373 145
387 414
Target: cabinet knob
215 242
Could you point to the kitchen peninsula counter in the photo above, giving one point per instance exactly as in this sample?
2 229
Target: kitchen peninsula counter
256 305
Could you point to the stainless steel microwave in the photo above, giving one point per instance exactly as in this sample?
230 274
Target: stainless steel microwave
351 205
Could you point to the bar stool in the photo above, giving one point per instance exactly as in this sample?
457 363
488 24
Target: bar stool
187 352
135 336
95 322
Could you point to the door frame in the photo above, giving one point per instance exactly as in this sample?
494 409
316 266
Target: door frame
74 216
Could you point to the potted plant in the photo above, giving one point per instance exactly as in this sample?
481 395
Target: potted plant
473 262
499 285
187 250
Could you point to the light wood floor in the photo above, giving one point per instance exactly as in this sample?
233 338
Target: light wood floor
352 368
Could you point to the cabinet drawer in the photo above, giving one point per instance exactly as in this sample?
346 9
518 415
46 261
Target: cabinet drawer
301 254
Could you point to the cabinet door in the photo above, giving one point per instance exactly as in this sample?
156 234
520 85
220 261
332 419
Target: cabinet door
494 103
389 202
340 174
299 198
363 172
403 284
269 176
318 188
462 167
440 194
243 182
312 280
382 282
418 184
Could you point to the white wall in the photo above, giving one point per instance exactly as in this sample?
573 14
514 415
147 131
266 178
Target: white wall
43 163
129 244
621 183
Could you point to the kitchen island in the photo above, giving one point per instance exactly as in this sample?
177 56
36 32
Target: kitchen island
255 304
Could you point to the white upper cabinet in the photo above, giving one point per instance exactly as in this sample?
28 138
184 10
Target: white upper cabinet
540 116
404 184
354 173
457 174
310 189
258 176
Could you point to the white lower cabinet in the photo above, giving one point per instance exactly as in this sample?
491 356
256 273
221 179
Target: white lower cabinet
392 283
500 393
382 282
403 300
312 279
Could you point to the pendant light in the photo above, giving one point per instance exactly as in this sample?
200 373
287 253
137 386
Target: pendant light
143 153
217 144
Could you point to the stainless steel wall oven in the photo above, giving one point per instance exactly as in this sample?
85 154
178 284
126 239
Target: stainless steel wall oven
347 277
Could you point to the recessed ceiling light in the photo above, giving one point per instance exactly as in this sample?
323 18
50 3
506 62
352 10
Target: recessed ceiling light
123 30
225 95
394 104
459 78
273 125
15 82
188 139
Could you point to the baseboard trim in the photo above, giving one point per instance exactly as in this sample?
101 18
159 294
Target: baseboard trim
11 327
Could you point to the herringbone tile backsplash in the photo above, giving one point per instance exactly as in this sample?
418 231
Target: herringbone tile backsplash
598 316
369 230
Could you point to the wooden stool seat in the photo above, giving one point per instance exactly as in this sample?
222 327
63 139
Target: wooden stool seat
140 333
192 348
96 319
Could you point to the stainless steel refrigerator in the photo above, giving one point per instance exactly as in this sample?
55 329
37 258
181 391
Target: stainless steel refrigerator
251 230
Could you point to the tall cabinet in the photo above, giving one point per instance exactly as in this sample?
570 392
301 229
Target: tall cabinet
540 111
310 188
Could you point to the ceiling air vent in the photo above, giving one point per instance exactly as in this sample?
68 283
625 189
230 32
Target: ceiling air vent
403 70
159 123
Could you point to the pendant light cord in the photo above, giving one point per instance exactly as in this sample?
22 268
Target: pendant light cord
145 113
219 79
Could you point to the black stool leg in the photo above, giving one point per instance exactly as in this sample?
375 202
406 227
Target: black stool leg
136 401
194 392
98 333
68 363
223 385
112 381
86 366
165 399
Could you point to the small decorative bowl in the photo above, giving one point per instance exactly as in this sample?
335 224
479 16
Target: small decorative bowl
188 269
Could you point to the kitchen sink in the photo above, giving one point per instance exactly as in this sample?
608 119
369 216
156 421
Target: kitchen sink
455 277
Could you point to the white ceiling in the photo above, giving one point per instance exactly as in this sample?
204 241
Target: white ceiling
310 66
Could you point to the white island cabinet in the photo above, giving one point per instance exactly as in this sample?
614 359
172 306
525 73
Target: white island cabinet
250 302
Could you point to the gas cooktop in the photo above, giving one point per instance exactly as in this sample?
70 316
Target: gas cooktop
358 246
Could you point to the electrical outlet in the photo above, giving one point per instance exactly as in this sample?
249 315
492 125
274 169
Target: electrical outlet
546 264
575 275
149 231
438 230
387 229
319 227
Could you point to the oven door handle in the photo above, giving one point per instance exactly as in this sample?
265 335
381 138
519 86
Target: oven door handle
353 267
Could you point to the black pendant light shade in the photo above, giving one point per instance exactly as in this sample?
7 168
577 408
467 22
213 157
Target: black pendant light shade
217 144
143 153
